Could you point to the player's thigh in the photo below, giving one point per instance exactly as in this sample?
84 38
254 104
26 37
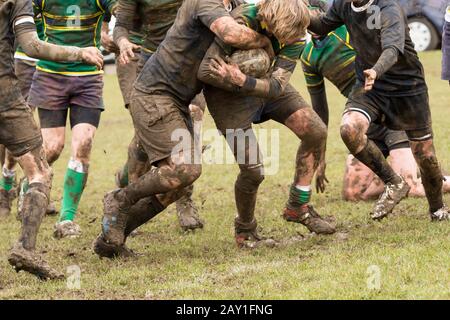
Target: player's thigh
163 130
19 132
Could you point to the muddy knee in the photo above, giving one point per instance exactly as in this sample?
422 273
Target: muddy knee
353 137
178 176
53 150
136 152
250 178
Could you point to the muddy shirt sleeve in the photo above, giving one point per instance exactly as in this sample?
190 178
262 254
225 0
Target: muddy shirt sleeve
316 88
209 11
125 13
331 20
22 17
392 28
204 75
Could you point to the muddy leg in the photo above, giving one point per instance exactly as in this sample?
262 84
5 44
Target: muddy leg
353 131
430 171
308 126
22 256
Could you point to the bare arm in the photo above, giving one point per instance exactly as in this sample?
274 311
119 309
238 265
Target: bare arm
322 24
239 36
125 13
35 48
319 101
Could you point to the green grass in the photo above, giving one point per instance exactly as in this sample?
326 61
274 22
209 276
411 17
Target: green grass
411 253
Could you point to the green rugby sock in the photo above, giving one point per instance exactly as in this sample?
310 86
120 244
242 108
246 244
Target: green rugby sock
74 182
7 179
299 196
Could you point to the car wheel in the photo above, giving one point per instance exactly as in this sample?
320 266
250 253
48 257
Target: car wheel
423 34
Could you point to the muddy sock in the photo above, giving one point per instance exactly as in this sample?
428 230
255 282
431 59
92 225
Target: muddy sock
432 181
373 158
246 191
299 196
74 182
141 212
34 207
7 179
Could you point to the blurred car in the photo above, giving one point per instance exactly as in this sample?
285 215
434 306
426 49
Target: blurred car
426 22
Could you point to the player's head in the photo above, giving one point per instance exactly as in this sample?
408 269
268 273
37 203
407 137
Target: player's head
287 20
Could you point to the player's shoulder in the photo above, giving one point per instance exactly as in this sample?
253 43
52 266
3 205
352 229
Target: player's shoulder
388 5
248 13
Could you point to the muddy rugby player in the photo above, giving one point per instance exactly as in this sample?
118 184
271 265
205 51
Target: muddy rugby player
141 26
160 104
73 90
236 100
17 26
332 57
391 90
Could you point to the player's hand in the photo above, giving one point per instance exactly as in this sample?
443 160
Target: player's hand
108 43
321 178
92 55
127 50
371 76
227 72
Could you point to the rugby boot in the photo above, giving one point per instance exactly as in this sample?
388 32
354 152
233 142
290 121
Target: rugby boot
107 250
5 203
66 229
187 214
441 215
392 195
247 237
309 217
29 261
114 219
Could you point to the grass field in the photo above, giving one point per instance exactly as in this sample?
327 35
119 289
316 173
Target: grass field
411 254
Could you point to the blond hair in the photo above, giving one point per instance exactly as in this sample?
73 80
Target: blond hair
286 19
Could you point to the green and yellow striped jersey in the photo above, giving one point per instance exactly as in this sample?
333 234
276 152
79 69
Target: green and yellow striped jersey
72 23
332 58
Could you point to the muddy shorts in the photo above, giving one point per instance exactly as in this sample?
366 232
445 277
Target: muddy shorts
24 71
160 124
386 139
143 58
57 92
126 75
409 113
233 111
18 130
